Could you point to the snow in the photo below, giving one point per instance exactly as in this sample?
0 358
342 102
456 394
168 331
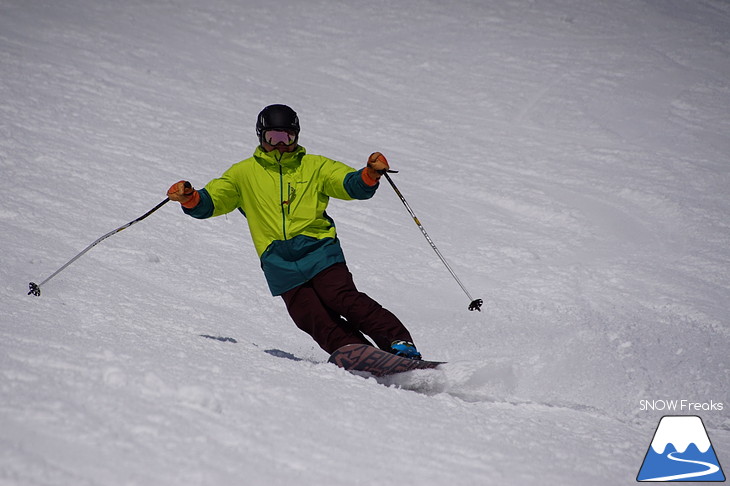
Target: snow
568 157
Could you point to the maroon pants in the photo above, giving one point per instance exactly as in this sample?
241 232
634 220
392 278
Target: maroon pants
331 310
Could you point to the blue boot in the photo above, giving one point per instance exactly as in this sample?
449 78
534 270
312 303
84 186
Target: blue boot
405 349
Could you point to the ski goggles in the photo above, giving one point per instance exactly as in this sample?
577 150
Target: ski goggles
276 137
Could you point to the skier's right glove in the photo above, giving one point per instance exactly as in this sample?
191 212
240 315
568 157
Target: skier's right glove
184 193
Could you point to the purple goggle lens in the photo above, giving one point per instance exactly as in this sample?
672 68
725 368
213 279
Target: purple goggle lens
275 137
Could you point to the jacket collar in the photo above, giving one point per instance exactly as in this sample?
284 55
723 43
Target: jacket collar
276 159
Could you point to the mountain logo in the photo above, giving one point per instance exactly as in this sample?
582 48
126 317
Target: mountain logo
681 451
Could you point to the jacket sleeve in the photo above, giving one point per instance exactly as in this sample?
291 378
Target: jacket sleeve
344 182
220 196
356 187
204 209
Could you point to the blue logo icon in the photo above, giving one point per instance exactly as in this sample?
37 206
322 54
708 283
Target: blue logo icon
681 451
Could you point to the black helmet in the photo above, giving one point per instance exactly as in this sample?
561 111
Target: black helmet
275 117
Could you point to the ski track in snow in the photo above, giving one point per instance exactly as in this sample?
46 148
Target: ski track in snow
569 159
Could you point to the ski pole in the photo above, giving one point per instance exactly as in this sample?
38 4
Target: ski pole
476 304
35 288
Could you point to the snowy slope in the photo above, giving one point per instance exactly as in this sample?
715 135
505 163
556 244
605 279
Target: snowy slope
568 157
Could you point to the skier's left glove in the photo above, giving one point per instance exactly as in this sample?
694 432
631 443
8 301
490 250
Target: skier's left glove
377 166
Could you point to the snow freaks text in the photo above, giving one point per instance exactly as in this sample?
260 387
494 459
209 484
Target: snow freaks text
680 406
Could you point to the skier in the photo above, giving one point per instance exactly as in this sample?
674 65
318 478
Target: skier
283 192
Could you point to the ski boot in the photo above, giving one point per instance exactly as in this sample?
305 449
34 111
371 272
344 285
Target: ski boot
405 350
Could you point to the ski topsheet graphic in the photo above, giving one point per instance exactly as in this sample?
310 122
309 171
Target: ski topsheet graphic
681 451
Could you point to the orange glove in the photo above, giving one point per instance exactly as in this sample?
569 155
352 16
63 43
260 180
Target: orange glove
377 165
184 193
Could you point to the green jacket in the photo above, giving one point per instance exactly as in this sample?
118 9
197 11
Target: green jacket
284 198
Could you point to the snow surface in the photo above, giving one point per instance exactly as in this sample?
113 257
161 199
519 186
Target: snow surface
568 157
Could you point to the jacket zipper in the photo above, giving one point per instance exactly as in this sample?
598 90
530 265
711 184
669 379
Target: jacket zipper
283 201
